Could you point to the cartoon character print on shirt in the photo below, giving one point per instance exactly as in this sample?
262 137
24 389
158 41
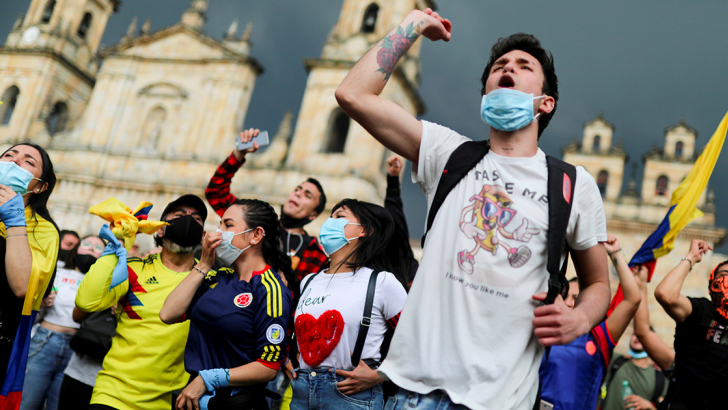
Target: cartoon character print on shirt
485 221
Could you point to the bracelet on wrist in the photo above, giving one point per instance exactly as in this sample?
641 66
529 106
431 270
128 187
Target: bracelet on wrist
19 234
689 261
200 270
612 253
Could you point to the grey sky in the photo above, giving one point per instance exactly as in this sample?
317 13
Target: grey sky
644 65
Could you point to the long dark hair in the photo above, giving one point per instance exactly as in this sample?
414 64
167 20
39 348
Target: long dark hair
70 261
382 248
38 203
257 213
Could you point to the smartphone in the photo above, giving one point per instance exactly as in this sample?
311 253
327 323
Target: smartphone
261 139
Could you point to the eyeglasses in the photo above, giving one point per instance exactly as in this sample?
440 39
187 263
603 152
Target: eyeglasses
89 246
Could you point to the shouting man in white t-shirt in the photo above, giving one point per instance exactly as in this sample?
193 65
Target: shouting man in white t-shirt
473 329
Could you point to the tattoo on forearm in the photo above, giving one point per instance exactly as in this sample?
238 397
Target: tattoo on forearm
394 46
615 260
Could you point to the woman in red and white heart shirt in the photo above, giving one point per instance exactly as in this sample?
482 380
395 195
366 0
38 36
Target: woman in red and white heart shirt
360 239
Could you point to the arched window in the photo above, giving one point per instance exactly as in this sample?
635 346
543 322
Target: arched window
661 185
58 119
153 127
370 18
337 131
678 149
48 12
9 99
596 143
85 25
602 180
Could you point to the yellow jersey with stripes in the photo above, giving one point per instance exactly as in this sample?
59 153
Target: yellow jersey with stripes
235 322
145 363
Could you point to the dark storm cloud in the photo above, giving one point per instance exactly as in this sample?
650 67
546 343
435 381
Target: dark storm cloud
644 65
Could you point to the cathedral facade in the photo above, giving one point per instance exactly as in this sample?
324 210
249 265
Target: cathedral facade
163 111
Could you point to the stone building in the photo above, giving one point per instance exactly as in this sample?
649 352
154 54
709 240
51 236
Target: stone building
165 108
633 216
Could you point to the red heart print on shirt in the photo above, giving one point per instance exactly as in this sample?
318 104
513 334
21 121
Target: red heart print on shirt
317 338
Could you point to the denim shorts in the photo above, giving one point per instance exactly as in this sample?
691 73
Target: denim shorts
315 389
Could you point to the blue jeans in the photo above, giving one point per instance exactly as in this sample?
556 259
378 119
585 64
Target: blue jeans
436 400
47 359
315 389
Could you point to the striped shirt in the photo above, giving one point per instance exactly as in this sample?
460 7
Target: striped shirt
234 322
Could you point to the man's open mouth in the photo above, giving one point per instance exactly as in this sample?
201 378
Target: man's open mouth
506 82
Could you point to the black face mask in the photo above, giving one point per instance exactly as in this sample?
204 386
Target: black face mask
63 254
185 231
84 262
291 223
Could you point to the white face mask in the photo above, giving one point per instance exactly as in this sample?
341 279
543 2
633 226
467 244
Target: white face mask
226 252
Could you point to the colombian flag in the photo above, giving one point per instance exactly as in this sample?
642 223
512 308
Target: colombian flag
682 208
44 245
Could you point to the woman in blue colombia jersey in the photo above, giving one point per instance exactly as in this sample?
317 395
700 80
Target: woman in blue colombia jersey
239 316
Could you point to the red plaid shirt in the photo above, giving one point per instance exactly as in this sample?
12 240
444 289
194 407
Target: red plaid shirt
310 259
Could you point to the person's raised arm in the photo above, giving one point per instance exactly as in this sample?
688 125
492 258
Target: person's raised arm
621 316
179 300
358 94
667 292
95 292
659 351
557 324
218 189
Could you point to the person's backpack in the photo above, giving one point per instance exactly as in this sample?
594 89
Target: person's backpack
94 336
561 183
659 377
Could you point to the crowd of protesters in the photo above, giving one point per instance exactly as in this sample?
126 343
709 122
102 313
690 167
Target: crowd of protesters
259 314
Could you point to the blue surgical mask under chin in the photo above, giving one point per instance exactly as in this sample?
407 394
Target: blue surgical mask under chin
331 234
226 252
635 355
16 177
508 110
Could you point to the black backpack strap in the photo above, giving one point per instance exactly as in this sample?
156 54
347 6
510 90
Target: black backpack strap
618 362
659 386
305 285
461 161
366 320
561 183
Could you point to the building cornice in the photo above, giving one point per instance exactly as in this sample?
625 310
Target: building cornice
709 234
58 57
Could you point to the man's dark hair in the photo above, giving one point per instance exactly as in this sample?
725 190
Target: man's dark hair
322 197
529 44
69 232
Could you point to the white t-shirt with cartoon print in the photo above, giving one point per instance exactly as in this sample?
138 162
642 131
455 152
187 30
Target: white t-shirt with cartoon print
466 327
330 311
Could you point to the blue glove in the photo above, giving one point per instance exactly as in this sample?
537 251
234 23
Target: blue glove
121 273
12 213
215 378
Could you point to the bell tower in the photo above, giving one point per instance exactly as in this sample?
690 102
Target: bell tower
326 143
48 67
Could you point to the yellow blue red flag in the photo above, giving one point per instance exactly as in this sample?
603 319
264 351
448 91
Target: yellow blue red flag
683 207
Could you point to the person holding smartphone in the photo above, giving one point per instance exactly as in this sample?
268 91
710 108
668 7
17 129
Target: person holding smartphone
304 204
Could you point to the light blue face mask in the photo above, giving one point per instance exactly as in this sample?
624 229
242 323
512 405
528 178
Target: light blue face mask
332 236
226 252
508 110
16 177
